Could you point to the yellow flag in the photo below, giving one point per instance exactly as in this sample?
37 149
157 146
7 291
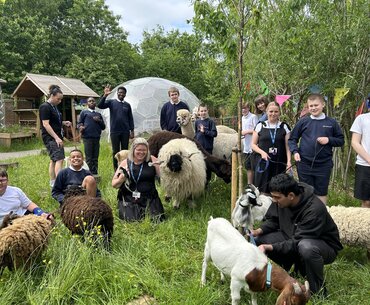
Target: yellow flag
339 94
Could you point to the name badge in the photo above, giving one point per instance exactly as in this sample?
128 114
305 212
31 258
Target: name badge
273 151
136 194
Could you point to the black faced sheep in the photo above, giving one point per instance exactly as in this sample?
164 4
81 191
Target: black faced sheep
221 167
81 214
22 239
183 170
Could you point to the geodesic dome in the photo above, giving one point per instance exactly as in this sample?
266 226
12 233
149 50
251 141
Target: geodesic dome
146 97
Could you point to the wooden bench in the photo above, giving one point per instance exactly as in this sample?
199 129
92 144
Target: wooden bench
6 137
7 165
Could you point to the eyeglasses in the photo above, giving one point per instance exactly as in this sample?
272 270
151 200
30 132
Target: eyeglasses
3 181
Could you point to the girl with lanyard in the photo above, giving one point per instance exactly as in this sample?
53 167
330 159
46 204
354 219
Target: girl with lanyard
270 141
135 179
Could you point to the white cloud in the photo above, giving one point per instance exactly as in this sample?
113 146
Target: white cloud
144 15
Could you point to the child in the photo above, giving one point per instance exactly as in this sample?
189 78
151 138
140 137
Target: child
249 121
361 144
74 175
318 134
169 111
91 124
205 129
261 103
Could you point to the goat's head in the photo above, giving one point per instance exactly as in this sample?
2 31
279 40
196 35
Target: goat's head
249 196
183 117
175 163
294 294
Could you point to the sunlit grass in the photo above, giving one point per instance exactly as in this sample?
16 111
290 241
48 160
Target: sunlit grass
161 260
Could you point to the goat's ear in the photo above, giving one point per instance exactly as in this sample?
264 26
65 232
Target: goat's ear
284 297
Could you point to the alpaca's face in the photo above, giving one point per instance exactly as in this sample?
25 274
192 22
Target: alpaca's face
183 117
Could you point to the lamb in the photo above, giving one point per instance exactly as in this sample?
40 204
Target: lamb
247 266
81 213
183 170
251 206
185 122
22 240
221 167
353 225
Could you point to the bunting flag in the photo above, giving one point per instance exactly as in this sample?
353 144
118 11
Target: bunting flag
340 93
263 88
253 89
360 109
280 99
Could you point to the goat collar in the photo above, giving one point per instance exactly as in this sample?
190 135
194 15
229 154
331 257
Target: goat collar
268 275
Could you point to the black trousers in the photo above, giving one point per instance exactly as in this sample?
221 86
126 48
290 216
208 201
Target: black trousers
309 260
92 147
119 142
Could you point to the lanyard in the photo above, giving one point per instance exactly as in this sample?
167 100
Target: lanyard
132 172
273 136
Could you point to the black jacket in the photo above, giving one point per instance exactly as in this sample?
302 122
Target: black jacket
307 220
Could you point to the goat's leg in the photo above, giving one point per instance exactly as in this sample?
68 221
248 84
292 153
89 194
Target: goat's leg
206 258
176 204
222 277
191 203
235 287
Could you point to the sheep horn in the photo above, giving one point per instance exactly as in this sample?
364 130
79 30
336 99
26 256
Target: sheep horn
155 162
189 156
297 288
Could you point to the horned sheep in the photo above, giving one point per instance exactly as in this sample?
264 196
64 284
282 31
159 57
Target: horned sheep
22 239
81 213
221 167
247 266
183 170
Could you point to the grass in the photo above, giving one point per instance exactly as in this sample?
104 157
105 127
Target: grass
161 260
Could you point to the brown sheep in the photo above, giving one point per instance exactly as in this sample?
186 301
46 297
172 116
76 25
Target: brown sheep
22 239
221 167
81 213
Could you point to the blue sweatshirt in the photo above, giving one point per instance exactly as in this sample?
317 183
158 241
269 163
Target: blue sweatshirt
307 131
210 132
169 115
121 118
93 128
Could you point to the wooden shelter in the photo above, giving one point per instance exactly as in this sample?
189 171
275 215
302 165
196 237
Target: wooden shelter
34 89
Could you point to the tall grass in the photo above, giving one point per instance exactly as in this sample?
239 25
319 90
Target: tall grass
162 260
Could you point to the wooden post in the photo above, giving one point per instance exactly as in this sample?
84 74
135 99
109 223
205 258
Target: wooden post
74 123
234 177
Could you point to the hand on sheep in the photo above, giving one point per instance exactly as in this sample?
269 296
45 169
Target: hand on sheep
265 247
124 172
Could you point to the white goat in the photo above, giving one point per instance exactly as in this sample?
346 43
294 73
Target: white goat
247 266
251 206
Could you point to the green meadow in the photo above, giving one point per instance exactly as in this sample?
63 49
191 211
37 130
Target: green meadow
160 260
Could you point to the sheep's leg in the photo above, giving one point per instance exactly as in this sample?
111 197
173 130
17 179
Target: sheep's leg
206 259
253 296
222 277
235 287
191 203
176 204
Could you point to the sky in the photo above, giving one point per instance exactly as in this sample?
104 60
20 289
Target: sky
140 15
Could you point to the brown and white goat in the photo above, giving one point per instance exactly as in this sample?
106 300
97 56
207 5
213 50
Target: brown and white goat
247 266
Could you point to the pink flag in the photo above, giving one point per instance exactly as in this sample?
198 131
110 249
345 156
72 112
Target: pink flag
280 99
